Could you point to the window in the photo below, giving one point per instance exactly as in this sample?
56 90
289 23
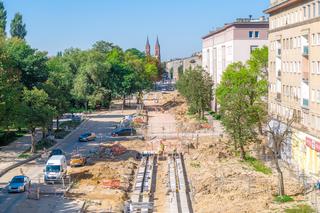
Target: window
250 34
314 40
318 8
304 12
318 96
318 38
314 10
309 11
252 48
313 95
256 34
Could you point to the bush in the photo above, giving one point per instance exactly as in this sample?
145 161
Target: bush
45 143
300 209
195 164
70 124
10 136
283 199
258 165
60 134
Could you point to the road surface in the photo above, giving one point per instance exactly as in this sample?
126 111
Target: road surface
100 123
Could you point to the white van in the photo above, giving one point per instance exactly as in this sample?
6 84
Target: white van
56 169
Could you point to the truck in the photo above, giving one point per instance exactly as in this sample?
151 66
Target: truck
55 169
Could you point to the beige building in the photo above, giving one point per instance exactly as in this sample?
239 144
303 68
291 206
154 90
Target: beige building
231 43
176 66
294 77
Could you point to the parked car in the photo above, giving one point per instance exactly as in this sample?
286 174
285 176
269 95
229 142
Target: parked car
56 152
19 184
78 160
90 136
55 169
123 132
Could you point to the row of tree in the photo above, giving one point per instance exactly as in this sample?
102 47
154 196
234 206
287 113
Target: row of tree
35 88
242 98
17 27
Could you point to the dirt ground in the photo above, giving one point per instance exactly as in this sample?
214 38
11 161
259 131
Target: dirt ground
89 180
222 183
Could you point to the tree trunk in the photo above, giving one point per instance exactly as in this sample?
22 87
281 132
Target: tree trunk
57 122
242 153
280 176
43 132
33 140
123 101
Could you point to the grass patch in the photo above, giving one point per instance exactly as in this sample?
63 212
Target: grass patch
215 115
258 165
60 134
24 155
283 199
195 164
69 124
300 209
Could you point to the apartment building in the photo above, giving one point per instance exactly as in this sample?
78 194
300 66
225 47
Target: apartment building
294 77
232 43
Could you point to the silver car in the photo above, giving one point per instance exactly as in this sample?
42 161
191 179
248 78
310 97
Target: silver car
19 184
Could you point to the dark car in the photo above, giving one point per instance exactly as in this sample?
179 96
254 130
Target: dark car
90 136
19 184
123 132
56 152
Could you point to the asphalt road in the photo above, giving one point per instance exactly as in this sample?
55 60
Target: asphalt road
100 123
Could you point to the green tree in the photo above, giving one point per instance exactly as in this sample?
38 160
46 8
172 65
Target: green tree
30 62
196 86
37 111
258 62
3 19
10 88
17 27
59 85
239 95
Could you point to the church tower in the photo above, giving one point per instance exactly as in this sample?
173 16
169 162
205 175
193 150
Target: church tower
157 51
148 47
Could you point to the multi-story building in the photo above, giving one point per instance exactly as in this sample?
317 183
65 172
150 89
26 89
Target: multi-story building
294 77
232 43
176 67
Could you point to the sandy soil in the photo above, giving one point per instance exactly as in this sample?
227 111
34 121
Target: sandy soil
222 183
89 179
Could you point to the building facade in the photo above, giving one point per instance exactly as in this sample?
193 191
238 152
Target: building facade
294 77
232 43
176 67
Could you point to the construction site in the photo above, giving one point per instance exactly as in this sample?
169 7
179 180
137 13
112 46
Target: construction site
180 165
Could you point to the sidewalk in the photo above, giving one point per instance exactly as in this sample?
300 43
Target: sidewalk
9 154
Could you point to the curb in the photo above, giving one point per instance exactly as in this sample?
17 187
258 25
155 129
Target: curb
9 168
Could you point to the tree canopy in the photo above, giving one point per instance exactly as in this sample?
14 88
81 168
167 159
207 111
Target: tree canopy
17 27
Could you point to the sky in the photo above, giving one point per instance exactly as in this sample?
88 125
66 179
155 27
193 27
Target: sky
55 25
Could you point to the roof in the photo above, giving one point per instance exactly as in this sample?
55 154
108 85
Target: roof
240 23
281 5
56 157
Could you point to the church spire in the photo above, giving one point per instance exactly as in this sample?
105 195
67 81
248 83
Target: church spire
157 50
148 47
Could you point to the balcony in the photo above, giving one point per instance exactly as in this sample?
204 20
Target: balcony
305 77
305 103
278 98
305 51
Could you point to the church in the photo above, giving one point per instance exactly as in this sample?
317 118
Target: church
157 53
